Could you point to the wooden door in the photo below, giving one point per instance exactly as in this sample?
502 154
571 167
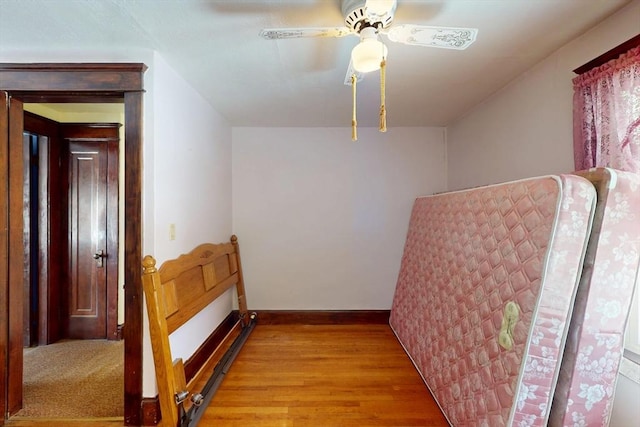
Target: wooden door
43 306
12 265
91 305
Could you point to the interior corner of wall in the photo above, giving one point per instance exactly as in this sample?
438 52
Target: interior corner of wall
445 136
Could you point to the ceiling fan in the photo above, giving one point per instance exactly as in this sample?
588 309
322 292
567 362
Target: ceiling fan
370 18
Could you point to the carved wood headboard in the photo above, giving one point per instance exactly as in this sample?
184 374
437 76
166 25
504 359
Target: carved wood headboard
174 293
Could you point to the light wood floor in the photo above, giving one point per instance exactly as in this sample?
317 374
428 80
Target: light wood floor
303 375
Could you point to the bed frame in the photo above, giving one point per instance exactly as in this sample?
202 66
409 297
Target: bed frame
176 292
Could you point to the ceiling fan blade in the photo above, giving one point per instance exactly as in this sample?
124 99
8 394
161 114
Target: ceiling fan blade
442 37
293 33
350 72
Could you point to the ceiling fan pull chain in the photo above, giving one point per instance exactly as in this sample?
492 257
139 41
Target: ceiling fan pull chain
383 111
354 123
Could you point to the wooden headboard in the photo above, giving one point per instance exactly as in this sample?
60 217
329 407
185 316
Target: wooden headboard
174 293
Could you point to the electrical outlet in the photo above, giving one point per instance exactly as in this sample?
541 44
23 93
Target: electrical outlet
172 232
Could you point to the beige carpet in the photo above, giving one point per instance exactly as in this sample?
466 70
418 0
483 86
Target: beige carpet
74 379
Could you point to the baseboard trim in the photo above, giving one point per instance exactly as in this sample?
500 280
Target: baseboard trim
206 349
150 409
120 332
323 317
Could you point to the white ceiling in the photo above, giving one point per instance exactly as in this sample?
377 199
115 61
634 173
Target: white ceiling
300 82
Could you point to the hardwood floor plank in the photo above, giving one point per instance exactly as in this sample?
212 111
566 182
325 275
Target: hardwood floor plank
323 375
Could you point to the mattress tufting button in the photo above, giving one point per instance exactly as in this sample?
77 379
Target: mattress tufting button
509 319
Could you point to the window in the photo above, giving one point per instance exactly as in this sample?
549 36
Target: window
607 132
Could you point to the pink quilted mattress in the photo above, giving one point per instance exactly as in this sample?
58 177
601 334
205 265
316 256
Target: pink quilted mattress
594 348
486 284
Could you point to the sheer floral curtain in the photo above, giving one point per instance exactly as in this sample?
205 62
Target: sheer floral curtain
606 115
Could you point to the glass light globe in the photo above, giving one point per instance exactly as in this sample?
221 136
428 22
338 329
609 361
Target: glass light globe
368 54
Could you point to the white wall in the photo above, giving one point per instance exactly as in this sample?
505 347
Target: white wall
626 405
192 167
526 129
322 220
187 182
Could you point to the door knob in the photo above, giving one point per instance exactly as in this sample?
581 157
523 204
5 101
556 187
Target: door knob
98 256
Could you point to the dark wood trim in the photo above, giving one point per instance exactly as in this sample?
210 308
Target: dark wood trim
133 301
58 179
47 82
113 220
120 332
4 250
120 67
70 97
609 55
323 317
38 124
72 77
17 265
90 131
150 408
213 341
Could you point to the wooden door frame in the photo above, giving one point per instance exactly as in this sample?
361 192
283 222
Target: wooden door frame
88 83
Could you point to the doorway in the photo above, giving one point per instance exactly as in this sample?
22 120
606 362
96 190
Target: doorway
119 82
73 167
72 218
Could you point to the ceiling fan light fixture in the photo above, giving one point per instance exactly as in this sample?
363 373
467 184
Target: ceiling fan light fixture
369 53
